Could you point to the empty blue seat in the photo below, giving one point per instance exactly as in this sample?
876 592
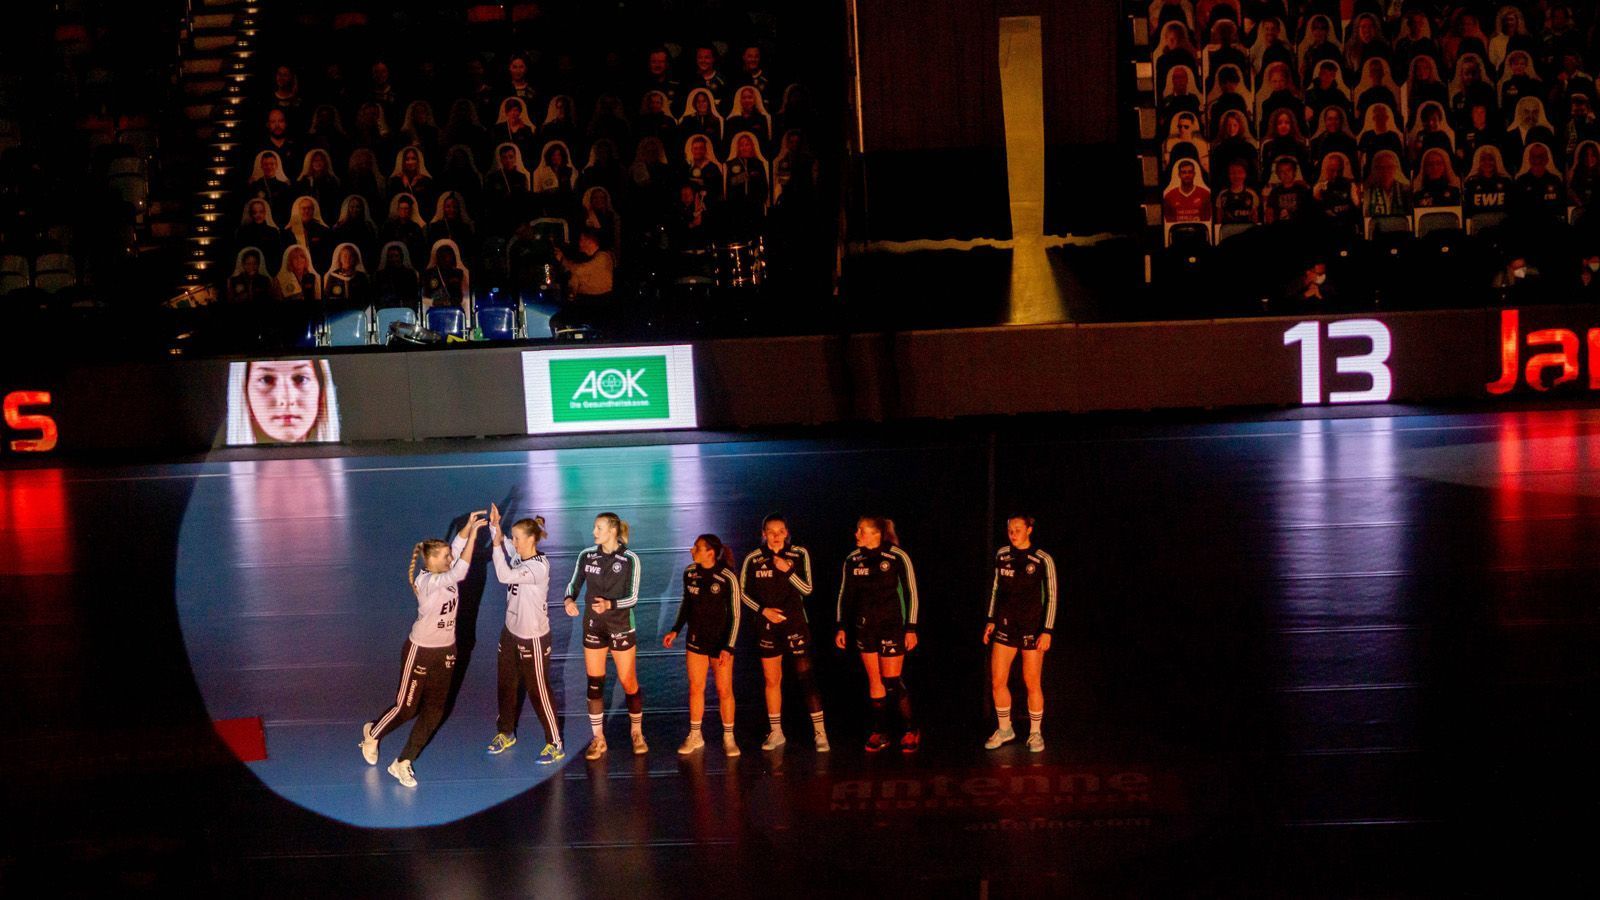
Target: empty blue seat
448 320
536 314
498 323
388 316
306 336
349 328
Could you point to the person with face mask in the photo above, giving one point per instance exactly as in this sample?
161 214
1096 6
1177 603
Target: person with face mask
1589 276
1310 290
1517 282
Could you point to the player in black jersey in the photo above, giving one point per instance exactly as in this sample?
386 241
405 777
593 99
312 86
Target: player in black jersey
1022 617
776 579
710 609
878 598
610 572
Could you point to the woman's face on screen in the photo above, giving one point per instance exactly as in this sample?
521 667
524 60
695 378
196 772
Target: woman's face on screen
284 396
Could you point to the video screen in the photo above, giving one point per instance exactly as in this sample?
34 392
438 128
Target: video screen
609 389
282 401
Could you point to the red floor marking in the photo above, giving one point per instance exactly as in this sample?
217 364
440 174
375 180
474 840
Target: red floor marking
245 737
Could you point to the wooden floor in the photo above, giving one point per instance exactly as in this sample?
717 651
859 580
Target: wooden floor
1311 658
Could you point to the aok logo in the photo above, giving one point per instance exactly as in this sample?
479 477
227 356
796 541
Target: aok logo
1562 360
611 384
17 420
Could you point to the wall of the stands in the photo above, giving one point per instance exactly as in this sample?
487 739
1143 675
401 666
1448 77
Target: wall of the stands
1442 356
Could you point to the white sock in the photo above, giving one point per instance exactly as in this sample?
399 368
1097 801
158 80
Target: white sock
1003 713
636 722
1035 720
727 731
597 723
694 728
816 723
775 722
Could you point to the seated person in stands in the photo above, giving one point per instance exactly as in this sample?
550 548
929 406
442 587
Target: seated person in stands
1310 289
355 226
346 285
555 173
687 223
1180 95
1583 177
268 182
297 280
397 282
1234 144
600 216
451 222
446 281
371 131
1283 138
1528 126
560 121
609 122
1318 52
1480 131
517 83
419 130
1470 88
317 180
280 142
508 182
1279 93
706 77
1429 132
1238 203
307 229
1386 193
463 128
1423 87
1437 184
1337 193
1333 136
704 170
751 74
461 175
1378 132
286 92
700 116
257 228
1376 87
1227 96
1581 124
1289 197
655 118
1186 198
249 284
405 224
1589 277
603 168
513 127
1519 80
750 114
1327 91
590 275
1517 280
658 78
749 181
362 178
796 171
410 176
1539 190
327 133
1488 187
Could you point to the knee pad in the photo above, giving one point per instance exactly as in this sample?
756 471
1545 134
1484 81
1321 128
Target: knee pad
597 687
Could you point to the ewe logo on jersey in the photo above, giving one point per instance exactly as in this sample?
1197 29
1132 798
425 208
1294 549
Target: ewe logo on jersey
621 387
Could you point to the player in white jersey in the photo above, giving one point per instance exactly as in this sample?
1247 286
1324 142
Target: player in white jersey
429 653
524 652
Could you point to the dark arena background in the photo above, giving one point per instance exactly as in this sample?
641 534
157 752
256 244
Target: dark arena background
1275 318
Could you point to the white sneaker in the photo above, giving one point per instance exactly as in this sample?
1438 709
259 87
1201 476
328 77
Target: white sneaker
1036 743
1000 737
640 748
401 770
822 742
369 745
690 744
597 749
775 739
729 748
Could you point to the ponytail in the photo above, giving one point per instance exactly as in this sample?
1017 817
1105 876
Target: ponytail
714 544
885 527
424 548
533 526
617 523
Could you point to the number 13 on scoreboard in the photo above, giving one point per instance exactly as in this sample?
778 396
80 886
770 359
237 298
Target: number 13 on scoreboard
1373 363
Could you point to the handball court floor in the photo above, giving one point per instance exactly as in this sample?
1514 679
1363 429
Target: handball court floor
1309 657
